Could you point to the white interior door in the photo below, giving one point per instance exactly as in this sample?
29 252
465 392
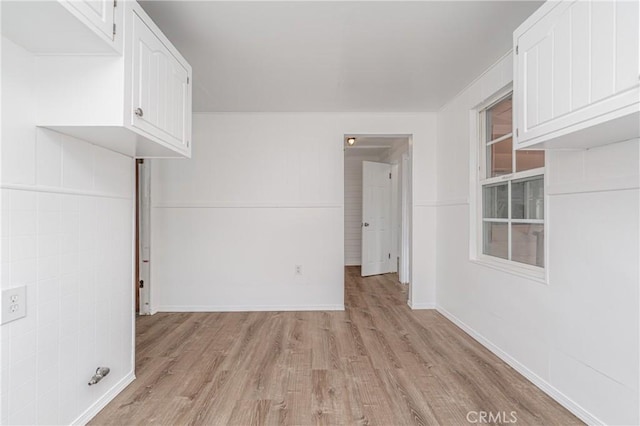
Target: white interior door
376 218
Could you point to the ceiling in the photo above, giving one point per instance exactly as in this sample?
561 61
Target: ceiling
390 56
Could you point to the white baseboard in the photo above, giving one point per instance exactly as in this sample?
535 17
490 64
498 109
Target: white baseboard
542 384
248 308
415 306
94 409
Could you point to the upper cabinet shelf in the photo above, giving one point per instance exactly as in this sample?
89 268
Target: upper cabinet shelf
577 75
54 27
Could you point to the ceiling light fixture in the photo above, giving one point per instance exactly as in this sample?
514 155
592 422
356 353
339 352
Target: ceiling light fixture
351 141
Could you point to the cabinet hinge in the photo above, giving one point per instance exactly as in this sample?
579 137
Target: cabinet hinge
516 133
187 80
516 49
389 175
114 29
389 255
115 3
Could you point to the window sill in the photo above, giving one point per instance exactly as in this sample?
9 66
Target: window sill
536 275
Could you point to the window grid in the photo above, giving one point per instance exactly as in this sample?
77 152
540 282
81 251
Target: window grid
486 180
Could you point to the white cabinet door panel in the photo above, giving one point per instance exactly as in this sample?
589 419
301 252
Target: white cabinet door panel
531 87
579 46
545 80
602 50
627 45
561 77
160 87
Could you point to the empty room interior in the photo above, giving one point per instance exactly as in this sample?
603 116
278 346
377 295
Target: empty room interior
320 212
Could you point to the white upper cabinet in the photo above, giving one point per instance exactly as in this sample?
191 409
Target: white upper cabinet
63 26
160 87
577 75
138 104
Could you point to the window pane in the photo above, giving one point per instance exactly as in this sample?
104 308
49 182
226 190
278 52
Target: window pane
527 198
499 157
496 239
527 160
528 244
495 201
499 120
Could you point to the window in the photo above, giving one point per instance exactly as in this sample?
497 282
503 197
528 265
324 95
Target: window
511 192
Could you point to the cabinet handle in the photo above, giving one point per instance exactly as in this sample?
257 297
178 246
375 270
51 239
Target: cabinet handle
139 112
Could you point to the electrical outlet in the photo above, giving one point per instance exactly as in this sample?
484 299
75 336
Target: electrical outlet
14 304
298 270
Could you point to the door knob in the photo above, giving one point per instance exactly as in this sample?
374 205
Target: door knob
139 112
366 224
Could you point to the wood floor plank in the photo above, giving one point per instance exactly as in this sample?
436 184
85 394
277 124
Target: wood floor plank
376 363
250 412
298 396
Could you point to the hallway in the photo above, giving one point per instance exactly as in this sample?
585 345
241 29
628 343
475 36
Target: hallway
377 362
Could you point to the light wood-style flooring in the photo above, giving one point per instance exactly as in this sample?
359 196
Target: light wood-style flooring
377 362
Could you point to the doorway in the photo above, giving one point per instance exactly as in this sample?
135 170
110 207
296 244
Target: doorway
377 200
142 282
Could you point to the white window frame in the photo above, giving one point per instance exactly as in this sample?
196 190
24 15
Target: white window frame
478 166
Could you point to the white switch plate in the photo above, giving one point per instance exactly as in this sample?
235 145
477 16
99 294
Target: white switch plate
14 304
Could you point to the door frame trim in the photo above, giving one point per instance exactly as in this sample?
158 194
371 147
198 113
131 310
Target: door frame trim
409 240
143 202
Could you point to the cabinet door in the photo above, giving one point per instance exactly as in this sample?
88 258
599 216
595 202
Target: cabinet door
578 62
98 13
161 96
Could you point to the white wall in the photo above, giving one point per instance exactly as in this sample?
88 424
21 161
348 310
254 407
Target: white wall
576 336
262 193
67 235
353 203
